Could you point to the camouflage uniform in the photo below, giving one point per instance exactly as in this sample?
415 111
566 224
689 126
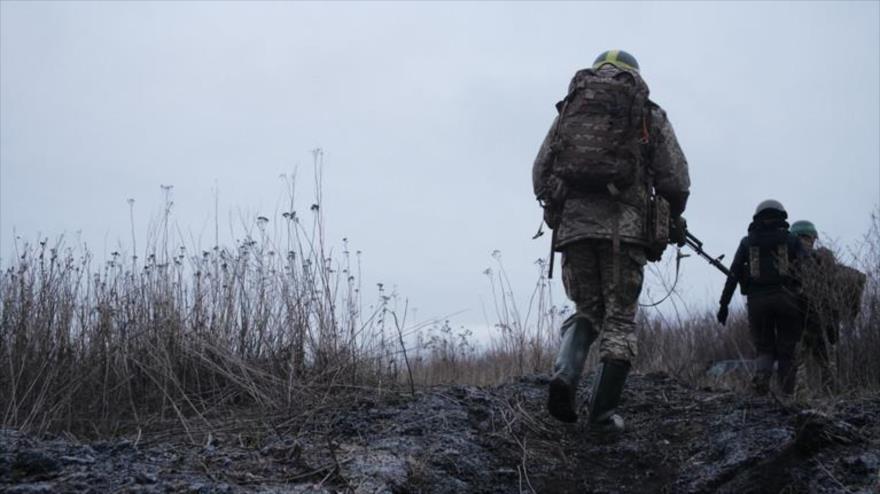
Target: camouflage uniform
587 228
832 295
603 240
820 320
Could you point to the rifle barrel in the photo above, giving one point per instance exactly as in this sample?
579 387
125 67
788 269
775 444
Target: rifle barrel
695 244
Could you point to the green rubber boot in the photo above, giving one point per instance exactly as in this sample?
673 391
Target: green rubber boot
577 336
607 389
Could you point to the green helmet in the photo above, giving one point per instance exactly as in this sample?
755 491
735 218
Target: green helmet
804 227
770 206
618 58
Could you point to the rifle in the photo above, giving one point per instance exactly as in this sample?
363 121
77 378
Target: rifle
697 245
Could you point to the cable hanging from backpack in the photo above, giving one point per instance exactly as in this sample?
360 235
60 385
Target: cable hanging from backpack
678 257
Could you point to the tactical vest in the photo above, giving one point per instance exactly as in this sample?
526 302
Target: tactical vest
602 125
769 263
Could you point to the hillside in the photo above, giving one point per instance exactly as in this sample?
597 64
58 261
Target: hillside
469 439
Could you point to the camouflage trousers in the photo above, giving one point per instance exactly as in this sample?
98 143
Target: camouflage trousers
605 289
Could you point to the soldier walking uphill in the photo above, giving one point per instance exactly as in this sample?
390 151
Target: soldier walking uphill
765 266
820 316
606 154
832 294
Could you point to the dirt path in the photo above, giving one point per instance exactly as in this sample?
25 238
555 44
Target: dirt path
468 439
684 440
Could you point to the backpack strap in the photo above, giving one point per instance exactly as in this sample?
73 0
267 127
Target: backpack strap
615 249
647 121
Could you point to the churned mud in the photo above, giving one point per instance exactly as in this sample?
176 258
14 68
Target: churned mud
467 439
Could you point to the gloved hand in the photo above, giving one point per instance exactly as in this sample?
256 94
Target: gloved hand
678 231
722 315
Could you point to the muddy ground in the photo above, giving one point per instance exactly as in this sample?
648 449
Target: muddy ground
467 439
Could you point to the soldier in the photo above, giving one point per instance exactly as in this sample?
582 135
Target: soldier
607 152
820 328
765 266
832 294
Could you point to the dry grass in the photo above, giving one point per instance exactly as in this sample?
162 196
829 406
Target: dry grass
275 324
186 334
856 354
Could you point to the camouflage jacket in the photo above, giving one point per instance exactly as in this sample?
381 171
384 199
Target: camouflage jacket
832 291
595 215
821 310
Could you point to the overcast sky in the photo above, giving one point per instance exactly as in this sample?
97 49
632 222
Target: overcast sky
430 116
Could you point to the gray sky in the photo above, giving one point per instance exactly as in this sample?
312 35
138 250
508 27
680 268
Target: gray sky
430 115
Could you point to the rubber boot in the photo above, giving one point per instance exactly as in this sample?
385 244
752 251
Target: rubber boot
607 389
787 376
577 336
763 372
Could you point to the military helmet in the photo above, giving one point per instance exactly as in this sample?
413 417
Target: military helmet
770 206
618 58
804 227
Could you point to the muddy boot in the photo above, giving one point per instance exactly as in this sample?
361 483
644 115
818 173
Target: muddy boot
763 372
577 336
761 383
607 388
787 377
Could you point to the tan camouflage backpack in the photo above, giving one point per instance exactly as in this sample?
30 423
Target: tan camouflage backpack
603 121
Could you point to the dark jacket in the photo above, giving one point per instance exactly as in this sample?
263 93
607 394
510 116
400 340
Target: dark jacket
764 233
